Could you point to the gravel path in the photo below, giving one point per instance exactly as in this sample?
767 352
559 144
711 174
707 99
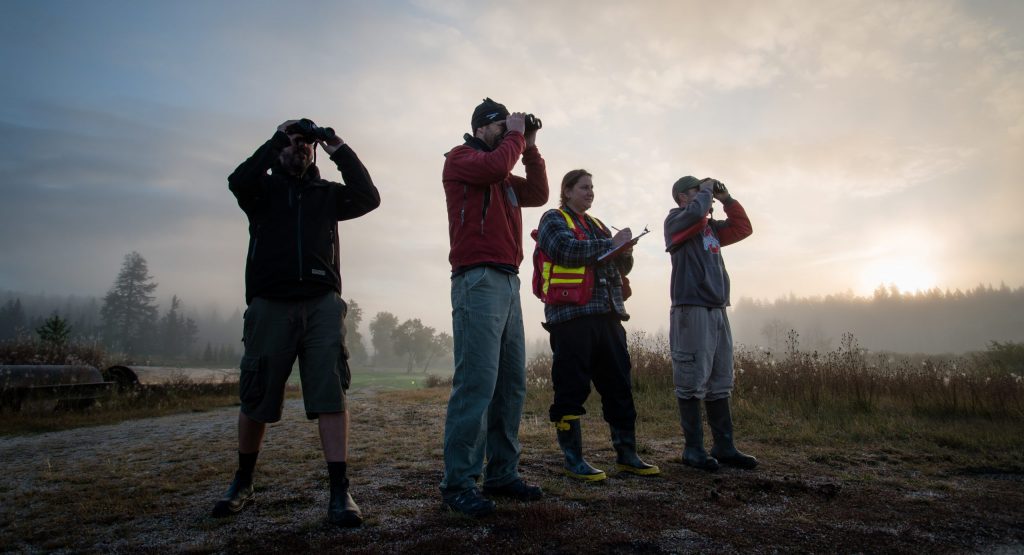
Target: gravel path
150 484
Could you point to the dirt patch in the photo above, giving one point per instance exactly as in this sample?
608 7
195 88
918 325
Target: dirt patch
148 485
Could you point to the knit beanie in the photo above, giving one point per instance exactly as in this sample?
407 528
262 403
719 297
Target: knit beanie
486 113
682 184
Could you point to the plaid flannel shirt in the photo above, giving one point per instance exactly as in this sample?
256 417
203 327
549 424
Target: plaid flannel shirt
560 243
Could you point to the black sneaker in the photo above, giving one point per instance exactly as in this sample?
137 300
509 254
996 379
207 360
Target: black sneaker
470 503
517 489
234 499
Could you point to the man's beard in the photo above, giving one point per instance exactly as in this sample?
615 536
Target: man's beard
296 163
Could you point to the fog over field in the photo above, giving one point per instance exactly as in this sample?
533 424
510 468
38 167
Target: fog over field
870 143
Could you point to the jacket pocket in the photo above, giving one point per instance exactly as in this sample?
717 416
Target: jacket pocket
344 370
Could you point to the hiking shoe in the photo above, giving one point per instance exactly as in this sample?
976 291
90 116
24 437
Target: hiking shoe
470 503
517 489
234 499
342 510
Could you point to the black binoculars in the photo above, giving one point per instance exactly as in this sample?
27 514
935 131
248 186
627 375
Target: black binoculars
533 122
310 131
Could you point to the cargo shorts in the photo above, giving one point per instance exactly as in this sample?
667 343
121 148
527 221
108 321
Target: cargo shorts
276 333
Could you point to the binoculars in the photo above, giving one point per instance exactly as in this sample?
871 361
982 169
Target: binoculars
310 131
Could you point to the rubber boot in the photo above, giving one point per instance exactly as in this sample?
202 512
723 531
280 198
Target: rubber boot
693 453
626 458
570 439
720 421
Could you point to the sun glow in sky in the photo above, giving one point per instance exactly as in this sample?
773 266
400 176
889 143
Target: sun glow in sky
907 257
905 275
870 142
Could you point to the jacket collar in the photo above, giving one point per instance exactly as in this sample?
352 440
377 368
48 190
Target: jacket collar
475 143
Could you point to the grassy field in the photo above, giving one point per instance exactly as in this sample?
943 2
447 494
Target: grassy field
858 455
393 378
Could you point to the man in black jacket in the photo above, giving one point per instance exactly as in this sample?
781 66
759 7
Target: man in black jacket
293 292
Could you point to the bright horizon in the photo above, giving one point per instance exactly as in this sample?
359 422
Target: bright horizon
870 143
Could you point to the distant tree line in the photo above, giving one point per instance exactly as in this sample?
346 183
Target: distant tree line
933 321
129 321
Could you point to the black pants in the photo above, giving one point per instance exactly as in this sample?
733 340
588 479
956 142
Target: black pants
592 348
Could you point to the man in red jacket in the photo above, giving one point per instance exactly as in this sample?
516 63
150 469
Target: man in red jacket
485 228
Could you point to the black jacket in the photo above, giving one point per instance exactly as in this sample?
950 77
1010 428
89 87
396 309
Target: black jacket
293 222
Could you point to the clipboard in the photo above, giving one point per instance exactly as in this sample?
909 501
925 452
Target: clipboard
613 252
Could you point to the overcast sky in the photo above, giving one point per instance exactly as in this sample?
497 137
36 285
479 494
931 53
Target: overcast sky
870 142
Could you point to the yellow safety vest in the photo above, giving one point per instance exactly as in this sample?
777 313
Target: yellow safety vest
556 284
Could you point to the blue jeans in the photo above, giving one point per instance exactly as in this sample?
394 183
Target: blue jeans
489 385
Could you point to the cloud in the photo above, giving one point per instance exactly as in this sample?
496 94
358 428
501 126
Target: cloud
841 126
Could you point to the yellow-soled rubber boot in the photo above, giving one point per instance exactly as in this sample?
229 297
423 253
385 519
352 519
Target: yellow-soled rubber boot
626 459
570 439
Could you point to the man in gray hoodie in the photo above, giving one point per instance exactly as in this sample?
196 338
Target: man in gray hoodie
699 333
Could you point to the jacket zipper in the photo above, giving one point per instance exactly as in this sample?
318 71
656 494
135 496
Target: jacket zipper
298 236
255 235
462 212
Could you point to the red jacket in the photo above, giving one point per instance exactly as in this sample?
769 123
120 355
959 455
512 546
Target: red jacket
485 223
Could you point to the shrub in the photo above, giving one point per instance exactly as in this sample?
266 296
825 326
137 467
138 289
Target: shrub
433 380
25 350
1007 357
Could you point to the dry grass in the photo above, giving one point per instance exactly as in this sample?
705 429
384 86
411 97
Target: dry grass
148 485
836 475
850 379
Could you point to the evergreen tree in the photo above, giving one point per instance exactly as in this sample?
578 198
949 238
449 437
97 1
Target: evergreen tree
178 332
85 316
12 319
55 331
129 312
230 355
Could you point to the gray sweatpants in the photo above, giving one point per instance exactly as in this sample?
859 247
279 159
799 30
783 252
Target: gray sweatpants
701 343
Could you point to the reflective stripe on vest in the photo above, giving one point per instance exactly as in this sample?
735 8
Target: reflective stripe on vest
553 273
575 284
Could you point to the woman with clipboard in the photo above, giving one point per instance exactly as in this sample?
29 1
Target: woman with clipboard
579 269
